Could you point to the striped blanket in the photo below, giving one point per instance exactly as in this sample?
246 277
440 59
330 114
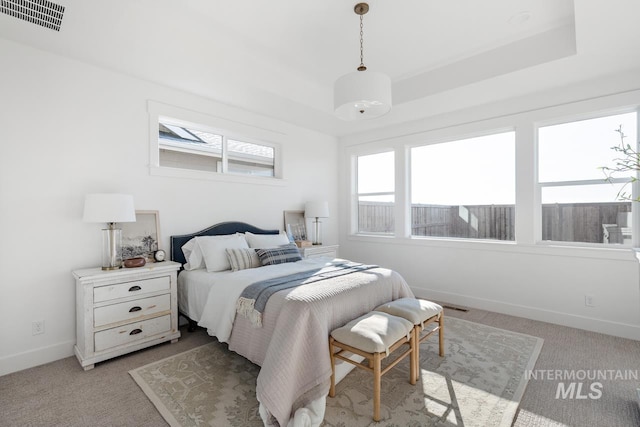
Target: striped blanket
254 298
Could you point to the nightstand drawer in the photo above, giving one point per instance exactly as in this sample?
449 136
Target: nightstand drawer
130 310
132 332
317 251
138 287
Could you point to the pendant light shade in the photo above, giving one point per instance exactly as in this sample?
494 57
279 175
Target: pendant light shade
362 95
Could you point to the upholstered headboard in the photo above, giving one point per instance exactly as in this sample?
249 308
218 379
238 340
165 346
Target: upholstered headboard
230 227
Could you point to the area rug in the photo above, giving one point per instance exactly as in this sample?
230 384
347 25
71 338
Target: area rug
479 382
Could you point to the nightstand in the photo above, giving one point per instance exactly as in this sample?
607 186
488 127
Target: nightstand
125 310
329 251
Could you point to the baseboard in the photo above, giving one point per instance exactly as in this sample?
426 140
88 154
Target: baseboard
617 329
35 357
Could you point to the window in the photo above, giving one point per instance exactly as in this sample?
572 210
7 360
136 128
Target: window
376 193
578 205
464 188
190 146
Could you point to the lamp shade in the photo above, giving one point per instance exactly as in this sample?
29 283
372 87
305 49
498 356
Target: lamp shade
316 210
362 95
109 207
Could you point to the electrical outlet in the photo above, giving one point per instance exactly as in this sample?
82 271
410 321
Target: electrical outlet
37 327
589 301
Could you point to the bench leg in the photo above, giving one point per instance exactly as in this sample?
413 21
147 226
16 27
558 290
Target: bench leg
441 333
376 386
332 389
414 361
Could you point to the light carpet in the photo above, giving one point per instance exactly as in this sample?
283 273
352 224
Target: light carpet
479 382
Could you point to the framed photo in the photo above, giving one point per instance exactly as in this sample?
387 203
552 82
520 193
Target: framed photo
140 238
295 225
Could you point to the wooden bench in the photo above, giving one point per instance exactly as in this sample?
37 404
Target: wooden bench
420 313
374 336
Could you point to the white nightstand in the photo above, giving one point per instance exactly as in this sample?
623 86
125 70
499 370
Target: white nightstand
329 251
120 311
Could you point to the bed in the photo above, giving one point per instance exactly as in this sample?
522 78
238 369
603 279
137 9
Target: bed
289 339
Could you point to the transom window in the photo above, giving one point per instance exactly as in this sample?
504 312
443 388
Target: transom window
191 146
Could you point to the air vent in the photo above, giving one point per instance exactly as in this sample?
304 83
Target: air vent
39 12
453 307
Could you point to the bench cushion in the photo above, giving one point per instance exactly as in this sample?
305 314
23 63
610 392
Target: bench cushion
414 310
373 332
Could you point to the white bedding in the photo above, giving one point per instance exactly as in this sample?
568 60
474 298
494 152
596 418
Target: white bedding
193 290
210 298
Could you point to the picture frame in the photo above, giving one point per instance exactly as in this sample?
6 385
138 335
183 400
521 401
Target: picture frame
295 225
141 238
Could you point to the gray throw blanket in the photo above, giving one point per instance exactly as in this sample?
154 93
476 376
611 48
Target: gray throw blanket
254 298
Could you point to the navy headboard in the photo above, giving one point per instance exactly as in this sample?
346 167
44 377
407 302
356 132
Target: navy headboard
230 227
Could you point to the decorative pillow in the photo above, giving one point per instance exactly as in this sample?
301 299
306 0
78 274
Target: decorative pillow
242 258
213 250
280 255
193 255
266 240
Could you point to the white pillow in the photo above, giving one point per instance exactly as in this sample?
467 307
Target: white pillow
266 240
193 255
213 250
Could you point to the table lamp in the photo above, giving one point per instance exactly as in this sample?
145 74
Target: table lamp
110 208
316 210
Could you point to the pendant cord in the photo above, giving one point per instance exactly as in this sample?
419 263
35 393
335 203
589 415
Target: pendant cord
362 67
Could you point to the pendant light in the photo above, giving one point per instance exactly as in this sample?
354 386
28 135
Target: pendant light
362 94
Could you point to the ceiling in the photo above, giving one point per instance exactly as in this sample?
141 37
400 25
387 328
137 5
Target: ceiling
281 57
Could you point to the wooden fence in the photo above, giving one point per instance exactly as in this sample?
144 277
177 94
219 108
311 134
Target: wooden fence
570 222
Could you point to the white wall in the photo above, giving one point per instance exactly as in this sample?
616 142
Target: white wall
523 278
69 129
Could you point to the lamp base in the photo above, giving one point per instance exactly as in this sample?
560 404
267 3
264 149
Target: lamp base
111 248
316 239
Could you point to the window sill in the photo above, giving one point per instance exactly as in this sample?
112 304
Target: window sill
214 176
546 248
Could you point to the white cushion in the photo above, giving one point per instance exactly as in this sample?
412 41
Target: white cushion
266 240
414 310
214 250
373 332
242 258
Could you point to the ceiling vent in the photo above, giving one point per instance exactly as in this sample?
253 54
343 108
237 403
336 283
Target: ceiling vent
39 12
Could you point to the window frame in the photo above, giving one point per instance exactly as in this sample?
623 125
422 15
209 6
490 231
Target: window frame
635 188
462 137
355 195
227 129
528 230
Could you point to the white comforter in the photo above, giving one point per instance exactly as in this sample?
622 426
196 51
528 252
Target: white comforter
219 311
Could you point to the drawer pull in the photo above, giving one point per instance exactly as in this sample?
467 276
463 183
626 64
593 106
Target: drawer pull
134 288
135 331
136 308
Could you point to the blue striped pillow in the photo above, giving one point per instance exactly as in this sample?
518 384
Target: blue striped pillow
279 255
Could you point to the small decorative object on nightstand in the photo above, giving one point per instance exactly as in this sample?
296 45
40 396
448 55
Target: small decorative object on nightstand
134 262
317 251
121 311
159 255
303 243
